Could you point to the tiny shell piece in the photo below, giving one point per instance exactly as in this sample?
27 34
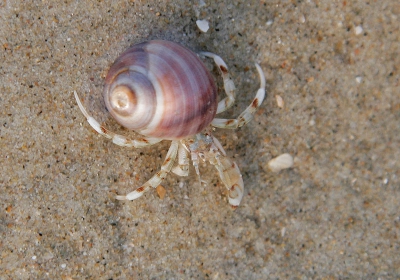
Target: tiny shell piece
161 191
203 25
279 101
358 30
281 162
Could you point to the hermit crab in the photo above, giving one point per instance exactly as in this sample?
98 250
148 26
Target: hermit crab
163 91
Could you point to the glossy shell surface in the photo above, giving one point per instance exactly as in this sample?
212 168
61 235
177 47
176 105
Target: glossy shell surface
161 89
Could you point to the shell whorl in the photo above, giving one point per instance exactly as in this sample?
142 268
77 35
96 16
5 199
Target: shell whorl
161 89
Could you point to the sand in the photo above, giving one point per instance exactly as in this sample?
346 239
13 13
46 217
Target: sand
333 215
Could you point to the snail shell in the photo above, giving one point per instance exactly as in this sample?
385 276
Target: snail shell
161 89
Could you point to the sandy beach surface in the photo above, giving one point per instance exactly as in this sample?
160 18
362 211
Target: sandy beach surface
333 215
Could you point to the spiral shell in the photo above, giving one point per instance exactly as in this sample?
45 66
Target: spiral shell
161 89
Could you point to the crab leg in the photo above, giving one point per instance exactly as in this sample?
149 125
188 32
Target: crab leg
229 86
228 172
230 175
158 177
117 139
247 114
182 168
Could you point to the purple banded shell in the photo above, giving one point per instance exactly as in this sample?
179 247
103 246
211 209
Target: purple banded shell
161 89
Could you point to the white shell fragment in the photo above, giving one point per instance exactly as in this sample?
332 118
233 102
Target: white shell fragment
281 162
279 101
358 30
203 25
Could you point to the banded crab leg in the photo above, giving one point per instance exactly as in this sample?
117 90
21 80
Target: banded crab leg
229 86
229 173
117 139
158 177
182 167
247 114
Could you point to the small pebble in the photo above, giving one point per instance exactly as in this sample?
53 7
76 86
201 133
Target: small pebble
203 25
281 162
161 191
202 3
385 181
358 30
279 101
359 79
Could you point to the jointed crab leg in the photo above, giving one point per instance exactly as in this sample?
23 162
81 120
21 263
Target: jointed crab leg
229 86
118 139
182 168
228 172
158 177
247 114
230 175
